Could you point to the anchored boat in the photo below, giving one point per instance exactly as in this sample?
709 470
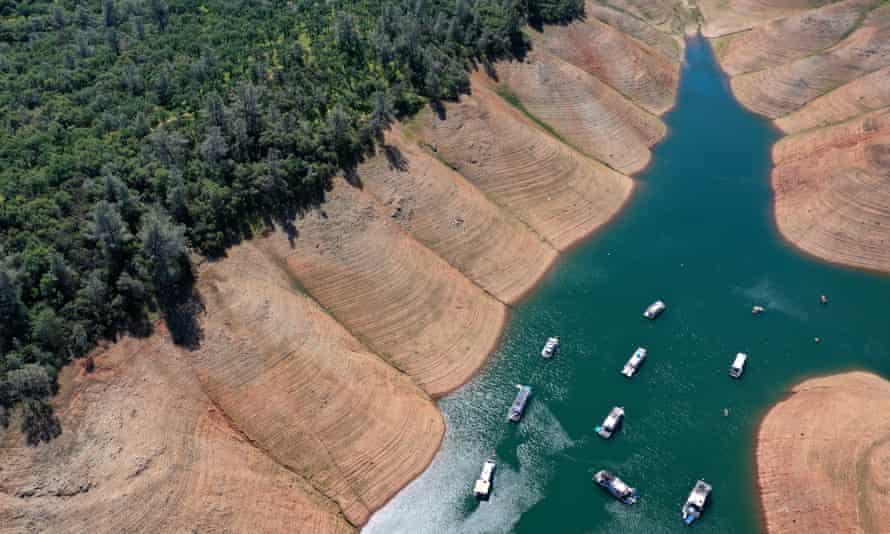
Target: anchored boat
519 403
482 489
550 348
611 423
616 487
757 310
634 363
696 502
655 309
738 365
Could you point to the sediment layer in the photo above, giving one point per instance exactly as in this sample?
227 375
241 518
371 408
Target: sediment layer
822 74
823 457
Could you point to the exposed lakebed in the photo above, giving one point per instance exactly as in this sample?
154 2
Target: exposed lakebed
699 234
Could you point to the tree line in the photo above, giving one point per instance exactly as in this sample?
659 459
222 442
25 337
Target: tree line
134 133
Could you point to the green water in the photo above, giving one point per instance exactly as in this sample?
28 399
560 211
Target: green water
698 234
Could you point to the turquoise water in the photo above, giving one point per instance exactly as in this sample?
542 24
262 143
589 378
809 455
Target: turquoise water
699 234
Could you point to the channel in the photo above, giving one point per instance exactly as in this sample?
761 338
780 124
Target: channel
699 234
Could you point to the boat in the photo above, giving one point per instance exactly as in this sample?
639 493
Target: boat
519 403
757 310
655 309
611 423
696 502
823 299
738 365
550 348
616 487
635 361
482 489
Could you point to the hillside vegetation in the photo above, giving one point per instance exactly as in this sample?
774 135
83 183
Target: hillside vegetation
133 133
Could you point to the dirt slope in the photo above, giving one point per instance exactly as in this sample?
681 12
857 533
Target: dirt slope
862 95
442 210
780 90
795 37
832 191
822 73
558 192
588 114
408 304
823 457
730 16
303 389
668 16
144 450
639 72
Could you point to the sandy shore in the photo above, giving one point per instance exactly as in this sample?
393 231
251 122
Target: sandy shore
823 457
308 402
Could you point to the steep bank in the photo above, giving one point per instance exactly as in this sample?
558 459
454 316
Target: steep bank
821 73
323 343
823 457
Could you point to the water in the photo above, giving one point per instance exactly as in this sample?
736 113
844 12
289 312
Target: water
699 234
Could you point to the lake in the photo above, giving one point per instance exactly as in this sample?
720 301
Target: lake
698 234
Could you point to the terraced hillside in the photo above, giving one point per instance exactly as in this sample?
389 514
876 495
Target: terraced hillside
823 457
820 70
308 400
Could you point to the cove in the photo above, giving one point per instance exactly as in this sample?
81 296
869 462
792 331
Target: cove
699 234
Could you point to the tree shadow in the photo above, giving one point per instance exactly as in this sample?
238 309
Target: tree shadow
182 306
395 158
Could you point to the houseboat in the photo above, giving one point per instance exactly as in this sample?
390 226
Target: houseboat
738 365
696 502
655 309
634 363
550 348
482 489
616 487
612 423
519 403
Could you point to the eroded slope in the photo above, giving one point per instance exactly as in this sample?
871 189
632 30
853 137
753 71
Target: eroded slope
144 450
823 457
823 75
558 192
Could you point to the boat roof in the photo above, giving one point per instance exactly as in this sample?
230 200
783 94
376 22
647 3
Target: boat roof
739 359
620 486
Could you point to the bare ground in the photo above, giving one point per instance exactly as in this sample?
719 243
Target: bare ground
823 457
822 74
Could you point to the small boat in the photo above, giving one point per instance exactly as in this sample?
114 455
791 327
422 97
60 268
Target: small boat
654 309
616 487
519 403
634 363
696 502
611 423
550 348
757 310
823 299
738 365
482 489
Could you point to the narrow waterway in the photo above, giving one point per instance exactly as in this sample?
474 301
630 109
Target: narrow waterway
699 234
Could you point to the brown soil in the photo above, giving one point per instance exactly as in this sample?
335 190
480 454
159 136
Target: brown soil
408 304
587 113
639 72
558 192
724 17
823 457
862 95
445 212
823 75
780 90
795 37
145 450
832 191
658 24
303 389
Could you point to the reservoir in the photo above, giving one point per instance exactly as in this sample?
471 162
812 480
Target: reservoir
698 234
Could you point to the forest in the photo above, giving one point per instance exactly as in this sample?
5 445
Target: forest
138 135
